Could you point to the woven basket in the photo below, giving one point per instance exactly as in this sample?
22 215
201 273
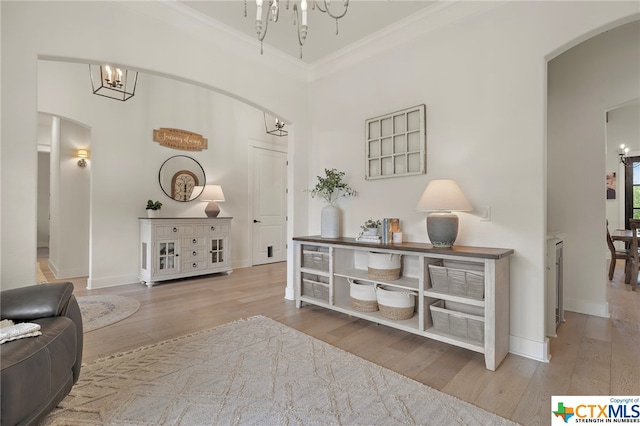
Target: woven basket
384 274
363 296
396 304
459 324
457 281
364 305
391 312
384 266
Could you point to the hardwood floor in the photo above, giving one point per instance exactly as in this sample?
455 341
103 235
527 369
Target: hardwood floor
591 355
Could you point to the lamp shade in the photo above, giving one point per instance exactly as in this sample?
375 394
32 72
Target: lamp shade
440 197
212 193
443 195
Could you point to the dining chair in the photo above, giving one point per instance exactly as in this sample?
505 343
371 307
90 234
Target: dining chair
618 254
634 224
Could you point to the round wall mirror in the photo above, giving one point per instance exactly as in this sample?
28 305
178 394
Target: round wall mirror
182 178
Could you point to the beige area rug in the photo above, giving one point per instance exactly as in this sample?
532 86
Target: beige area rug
101 311
254 372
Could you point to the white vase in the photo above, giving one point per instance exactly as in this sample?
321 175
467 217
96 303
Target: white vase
330 221
152 213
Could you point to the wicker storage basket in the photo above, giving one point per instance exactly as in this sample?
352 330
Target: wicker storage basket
456 323
363 296
395 304
312 286
457 281
384 266
315 258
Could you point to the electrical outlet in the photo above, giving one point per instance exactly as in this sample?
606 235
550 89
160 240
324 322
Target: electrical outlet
486 214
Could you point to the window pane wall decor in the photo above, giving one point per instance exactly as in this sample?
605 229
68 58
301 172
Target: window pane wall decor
396 144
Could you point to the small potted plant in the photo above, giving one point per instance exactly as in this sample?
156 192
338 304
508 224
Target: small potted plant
331 187
153 207
370 227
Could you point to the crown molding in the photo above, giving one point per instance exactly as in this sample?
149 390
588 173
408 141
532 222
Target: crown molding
430 19
233 41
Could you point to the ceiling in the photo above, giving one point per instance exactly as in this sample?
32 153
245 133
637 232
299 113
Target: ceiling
363 18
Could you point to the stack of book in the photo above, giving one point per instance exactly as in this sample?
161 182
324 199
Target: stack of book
369 238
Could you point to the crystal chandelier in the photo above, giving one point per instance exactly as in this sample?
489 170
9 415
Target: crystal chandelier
273 13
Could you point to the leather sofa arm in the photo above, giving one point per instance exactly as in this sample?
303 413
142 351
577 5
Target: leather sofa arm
36 301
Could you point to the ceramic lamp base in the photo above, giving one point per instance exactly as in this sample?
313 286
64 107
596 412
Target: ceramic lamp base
212 209
442 228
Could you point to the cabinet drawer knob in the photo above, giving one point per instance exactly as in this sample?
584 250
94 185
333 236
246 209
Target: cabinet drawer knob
194 241
213 228
195 265
175 229
195 253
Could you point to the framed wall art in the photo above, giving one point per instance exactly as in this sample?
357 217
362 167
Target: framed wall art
396 144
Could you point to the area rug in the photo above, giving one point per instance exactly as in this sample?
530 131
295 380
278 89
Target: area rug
101 311
254 372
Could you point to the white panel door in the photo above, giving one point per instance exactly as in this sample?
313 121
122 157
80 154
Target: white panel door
269 206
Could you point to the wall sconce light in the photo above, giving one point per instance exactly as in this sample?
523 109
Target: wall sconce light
441 197
278 131
624 150
113 82
212 193
82 154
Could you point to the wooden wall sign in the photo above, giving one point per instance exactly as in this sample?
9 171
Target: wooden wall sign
179 139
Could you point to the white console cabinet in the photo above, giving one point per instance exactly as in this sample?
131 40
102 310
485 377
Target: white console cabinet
476 318
173 248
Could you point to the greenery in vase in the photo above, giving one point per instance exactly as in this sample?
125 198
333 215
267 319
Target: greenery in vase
331 187
153 205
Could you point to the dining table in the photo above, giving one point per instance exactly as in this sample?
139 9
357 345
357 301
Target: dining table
624 235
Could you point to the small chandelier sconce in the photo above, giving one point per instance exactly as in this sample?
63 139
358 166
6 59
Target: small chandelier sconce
83 155
113 82
299 16
624 150
279 127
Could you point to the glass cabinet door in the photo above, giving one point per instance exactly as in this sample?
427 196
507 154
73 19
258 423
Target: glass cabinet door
216 251
168 257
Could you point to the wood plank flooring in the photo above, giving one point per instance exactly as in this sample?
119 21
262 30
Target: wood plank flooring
591 356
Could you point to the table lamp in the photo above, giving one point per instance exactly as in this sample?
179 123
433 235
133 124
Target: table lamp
212 194
440 198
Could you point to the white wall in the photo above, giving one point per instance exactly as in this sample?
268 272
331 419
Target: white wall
483 80
125 162
69 187
194 53
584 82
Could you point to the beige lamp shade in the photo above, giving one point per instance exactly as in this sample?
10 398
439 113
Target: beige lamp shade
440 197
443 195
213 194
196 192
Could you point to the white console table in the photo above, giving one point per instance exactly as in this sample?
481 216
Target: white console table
173 248
324 266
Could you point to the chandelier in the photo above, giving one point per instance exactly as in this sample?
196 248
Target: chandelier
273 13
113 82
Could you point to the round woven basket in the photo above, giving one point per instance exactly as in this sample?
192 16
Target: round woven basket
364 305
384 274
391 312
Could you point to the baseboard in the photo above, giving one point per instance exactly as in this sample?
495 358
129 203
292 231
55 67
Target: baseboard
93 283
66 273
532 349
587 308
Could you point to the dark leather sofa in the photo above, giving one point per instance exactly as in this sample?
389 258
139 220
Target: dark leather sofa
38 372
